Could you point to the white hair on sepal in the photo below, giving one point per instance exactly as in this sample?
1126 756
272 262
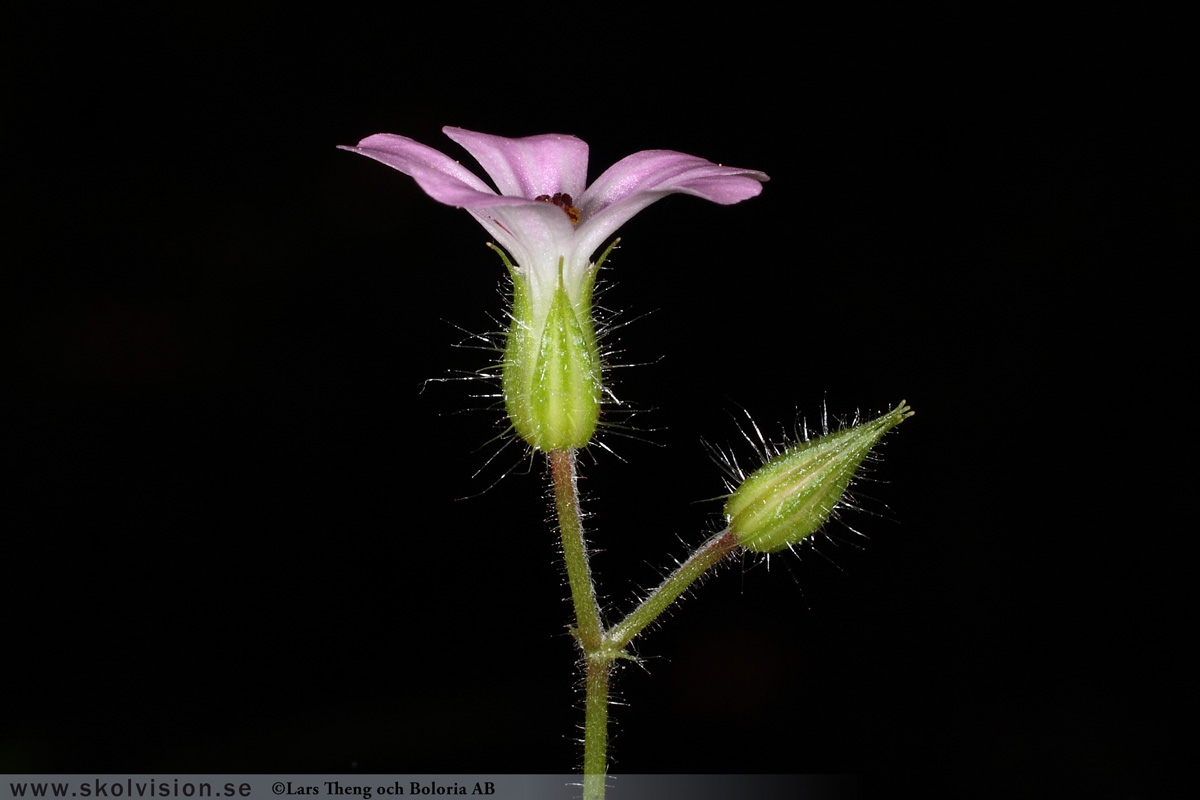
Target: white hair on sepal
508 452
838 531
488 399
617 415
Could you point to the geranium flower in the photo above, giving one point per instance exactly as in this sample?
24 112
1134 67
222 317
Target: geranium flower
551 224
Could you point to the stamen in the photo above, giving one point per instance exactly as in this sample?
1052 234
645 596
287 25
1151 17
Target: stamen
563 201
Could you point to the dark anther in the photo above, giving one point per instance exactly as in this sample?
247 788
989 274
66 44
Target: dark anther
563 201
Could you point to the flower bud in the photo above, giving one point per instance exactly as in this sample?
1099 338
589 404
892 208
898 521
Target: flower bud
551 372
793 494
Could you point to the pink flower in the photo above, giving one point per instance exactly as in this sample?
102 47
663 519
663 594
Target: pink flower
551 225
543 211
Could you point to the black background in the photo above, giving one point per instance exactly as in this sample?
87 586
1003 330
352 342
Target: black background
243 534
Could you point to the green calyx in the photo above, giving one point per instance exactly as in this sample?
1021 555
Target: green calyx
792 495
552 370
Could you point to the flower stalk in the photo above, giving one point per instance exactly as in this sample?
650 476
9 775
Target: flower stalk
602 647
707 556
589 629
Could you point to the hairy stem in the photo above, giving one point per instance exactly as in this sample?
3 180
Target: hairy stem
570 527
595 728
589 628
601 647
705 557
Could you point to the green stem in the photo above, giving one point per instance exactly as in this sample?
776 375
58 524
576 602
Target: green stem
706 556
579 574
600 647
590 629
595 728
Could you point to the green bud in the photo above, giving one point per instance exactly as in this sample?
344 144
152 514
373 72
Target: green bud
552 370
792 495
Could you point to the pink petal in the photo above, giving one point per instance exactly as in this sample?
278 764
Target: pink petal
529 167
638 180
442 178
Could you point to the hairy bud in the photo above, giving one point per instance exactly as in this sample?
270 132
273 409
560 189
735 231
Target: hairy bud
793 494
